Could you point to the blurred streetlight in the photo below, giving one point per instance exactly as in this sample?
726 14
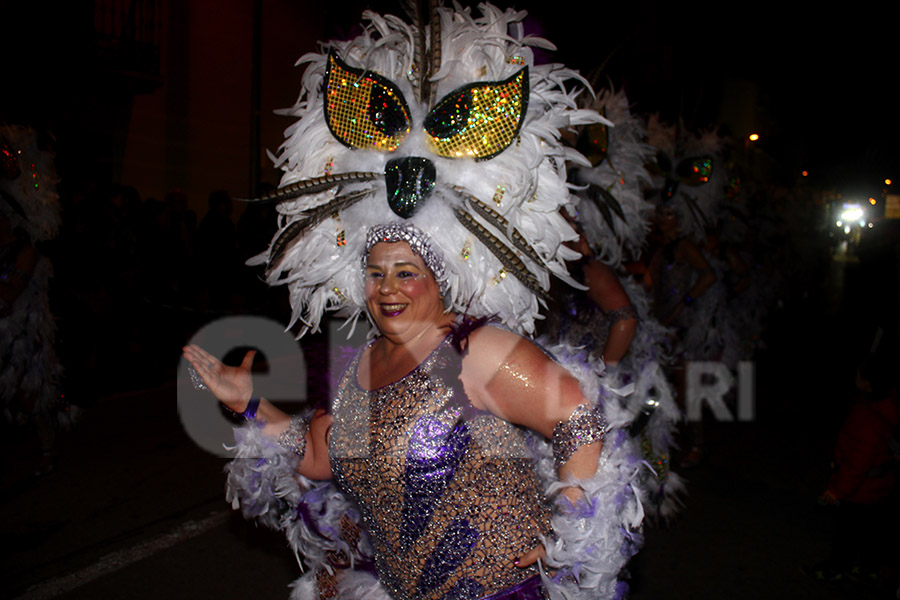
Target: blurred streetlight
753 137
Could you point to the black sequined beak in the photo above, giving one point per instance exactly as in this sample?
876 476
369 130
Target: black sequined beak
669 189
409 182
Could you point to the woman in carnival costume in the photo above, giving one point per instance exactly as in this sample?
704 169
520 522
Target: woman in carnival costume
422 188
740 250
29 214
688 186
610 324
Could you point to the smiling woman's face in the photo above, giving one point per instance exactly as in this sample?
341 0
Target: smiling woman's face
402 295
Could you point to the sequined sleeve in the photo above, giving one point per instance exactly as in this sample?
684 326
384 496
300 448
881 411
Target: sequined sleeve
584 426
294 437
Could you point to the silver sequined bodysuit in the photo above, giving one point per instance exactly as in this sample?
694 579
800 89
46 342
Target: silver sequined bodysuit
672 282
581 323
448 493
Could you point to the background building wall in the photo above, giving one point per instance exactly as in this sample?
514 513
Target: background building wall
193 133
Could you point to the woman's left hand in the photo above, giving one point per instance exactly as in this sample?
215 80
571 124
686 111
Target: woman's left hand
531 557
232 386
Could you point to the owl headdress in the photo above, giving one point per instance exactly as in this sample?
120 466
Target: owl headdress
688 175
28 196
449 126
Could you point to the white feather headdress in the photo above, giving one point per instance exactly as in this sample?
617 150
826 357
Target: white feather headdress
495 218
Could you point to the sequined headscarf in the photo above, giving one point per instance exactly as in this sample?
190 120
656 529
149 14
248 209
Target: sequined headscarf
418 242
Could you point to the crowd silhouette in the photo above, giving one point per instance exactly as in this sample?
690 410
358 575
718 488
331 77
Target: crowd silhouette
136 276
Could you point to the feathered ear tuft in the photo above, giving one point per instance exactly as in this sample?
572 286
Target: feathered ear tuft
426 21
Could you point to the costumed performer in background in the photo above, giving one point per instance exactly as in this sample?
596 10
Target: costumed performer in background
687 187
29 214
611 324
455 459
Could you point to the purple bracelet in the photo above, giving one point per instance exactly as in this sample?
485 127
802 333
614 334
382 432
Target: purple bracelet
250 412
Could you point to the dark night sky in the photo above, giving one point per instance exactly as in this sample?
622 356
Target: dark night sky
822 76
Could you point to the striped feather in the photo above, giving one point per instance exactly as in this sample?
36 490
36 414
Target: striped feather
313 186
312 217
500 222
610 200
434 51
696 211
503 253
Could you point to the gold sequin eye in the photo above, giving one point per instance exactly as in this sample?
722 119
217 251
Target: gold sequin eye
695 170
593 143
480 120
362 109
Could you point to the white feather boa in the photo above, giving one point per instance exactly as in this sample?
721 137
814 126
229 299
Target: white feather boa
639 384
594 539
262 482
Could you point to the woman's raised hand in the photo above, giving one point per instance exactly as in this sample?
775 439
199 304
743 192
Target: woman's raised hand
233 386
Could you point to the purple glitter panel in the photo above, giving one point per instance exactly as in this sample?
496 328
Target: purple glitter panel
451 551
435 452
464 589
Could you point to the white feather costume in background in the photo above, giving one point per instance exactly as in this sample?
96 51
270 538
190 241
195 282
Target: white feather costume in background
29 369
741 242
689 179
615 217
35 188
652 403
495 218
612 209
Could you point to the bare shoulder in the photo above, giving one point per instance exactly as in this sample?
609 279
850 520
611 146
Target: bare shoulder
489 347
604 287
490 337
510 376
